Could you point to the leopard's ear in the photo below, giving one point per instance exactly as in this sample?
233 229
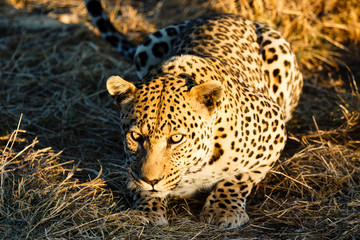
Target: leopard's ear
122 91
208 94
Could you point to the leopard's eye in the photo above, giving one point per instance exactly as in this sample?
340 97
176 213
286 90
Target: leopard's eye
176 138
136 136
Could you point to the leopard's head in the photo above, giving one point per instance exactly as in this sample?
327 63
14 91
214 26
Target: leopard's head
166 126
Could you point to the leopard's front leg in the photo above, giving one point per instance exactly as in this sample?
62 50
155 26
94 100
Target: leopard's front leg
151 210
225 206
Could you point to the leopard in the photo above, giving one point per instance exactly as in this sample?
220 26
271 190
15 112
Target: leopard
207 114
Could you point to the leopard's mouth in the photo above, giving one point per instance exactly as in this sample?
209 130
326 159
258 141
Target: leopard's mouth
161 186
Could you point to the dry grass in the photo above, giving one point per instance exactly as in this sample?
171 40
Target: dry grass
52 70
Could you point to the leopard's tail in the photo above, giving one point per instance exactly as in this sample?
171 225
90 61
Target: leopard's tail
100 20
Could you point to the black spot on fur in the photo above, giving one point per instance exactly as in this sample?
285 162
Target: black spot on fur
147 42
105 26
126 45
113 40
276 72
94 8
160 49
171 31
275 88
221 205
228 184
142 58
271 60
267 42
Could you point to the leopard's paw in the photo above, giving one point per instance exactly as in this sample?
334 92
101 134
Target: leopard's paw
145 218
224 217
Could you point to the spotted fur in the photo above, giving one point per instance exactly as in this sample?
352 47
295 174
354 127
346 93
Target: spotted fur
208 113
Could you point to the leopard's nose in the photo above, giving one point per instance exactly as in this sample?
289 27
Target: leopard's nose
152 182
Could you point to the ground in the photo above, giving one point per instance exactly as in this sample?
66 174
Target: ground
61 174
